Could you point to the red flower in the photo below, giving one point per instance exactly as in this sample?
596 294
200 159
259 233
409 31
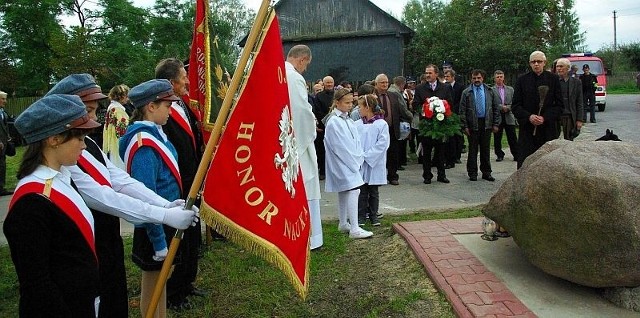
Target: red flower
426 110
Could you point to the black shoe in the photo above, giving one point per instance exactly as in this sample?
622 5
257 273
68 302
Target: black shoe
322 177
5 192
449 166
499 159
593 121
473 178
502 234
443 180
400 168
458 161
427 181
197 292
488 178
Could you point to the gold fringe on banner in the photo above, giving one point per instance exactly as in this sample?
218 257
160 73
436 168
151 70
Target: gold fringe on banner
255 244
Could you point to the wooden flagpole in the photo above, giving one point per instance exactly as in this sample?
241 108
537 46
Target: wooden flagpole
256 29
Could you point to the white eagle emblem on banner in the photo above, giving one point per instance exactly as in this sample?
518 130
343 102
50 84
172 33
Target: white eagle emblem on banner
288 162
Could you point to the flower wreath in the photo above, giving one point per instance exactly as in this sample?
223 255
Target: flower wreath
438 121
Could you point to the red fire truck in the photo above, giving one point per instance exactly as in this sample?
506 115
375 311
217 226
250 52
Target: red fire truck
596 67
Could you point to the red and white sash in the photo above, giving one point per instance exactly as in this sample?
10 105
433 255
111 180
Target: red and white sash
65 198
177 113
94 168
143 139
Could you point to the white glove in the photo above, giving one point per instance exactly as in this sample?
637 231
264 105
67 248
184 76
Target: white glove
197 218
160 255
179 218
176 203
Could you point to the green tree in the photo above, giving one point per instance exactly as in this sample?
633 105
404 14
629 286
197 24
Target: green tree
488 34
31 26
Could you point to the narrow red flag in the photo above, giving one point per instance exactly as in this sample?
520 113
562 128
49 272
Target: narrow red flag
253 192
199 62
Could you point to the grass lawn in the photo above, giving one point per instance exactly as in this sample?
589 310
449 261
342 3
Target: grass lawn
378 277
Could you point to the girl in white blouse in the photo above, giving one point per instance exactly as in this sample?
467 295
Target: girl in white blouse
343 159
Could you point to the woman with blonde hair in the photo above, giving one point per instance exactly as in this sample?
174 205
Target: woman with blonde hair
115 124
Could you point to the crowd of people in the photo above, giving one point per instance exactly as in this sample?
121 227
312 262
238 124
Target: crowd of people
142 163
544 103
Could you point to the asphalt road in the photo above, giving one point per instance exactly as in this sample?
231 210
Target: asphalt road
622 114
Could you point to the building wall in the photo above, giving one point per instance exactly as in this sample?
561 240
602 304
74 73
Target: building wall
324 17
355 59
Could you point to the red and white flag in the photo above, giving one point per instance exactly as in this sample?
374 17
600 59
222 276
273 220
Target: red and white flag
253 192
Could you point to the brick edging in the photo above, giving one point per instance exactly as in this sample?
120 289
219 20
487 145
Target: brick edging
458 305
471 289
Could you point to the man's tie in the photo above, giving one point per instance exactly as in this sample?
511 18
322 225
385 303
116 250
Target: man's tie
433 86
480 101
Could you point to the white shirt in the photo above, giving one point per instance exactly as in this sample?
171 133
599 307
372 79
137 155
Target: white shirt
375 141
128 199
343 153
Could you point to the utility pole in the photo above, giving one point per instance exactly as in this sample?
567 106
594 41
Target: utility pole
615 42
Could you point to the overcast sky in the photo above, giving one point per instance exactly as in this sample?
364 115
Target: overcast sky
596 18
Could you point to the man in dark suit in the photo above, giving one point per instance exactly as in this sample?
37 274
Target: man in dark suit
4 140
324 99
508 123
573 111
456 142
432 87
395 111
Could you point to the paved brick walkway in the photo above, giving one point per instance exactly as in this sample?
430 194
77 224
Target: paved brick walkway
472 290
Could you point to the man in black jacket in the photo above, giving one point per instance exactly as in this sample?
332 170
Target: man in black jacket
589 86
537 120
324 100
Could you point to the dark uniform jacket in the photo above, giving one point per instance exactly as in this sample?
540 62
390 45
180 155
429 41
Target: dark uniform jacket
56 267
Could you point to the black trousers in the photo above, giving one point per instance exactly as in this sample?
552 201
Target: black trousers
479 140
438 148
402 152
393 156
319 144
454 149
589 98
368 201
180 283
512 139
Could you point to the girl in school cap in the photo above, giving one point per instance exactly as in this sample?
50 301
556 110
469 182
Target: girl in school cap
49 228
151 158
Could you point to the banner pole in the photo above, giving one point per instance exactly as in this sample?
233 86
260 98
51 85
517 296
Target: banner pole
208 152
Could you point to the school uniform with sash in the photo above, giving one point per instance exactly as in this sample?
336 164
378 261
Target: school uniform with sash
50 232
151 159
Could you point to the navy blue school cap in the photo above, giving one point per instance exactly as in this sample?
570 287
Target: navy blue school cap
52 115
151 91
82 85
447 63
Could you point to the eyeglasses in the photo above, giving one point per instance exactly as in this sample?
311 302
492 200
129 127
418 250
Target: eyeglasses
536 62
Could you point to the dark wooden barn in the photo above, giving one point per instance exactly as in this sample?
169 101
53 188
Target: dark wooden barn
350 40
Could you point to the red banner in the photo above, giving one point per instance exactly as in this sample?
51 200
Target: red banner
199 65
253 192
